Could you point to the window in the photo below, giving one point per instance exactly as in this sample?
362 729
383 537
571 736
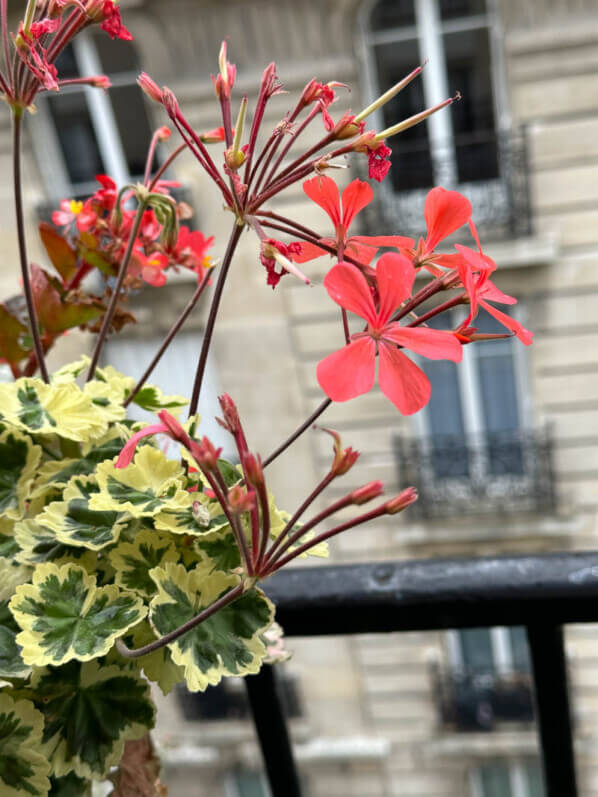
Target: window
490 650
464 147
508 779
86 131
477 407
246 783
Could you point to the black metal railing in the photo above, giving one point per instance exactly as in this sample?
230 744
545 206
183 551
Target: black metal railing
539 592
480 701
489 167
500 473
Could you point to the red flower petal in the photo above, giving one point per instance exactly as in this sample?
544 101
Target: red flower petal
355 197
396 241
310 251
365 254
324 192
401 380
347 286
350 371
435 344
395 275
445 211
524 335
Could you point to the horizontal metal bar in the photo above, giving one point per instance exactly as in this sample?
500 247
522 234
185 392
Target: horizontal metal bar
436 594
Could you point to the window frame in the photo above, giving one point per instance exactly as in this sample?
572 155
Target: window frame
518 780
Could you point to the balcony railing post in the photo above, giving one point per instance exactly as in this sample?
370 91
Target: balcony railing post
273 733
552 709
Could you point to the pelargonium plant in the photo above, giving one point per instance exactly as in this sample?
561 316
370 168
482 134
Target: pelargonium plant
119 566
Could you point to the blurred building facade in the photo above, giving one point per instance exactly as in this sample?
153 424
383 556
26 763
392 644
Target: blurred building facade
505 456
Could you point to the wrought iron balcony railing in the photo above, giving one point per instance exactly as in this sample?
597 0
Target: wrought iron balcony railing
478 701
499 472
489 167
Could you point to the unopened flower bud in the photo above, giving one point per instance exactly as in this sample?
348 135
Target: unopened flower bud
205 453
100 82
344 458
234 158
163 133
367 493
150 87
229 409
170 103
401 501
252 467
240 500
175 429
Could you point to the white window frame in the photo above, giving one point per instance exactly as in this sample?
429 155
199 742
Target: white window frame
502 650
428 32
46 137
517 779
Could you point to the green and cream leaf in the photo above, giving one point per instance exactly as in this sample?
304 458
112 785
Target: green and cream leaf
75 524
64 615
227 643
24 770
90 711
132 561
19 458
149 485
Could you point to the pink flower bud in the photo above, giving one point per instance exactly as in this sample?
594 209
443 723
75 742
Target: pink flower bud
401 501
175 429
252 467
344 458
100 82
170 103
240 500
205 453
150 87
367 493
163 133
229 409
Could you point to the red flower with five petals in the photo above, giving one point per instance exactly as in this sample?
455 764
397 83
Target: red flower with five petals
350 372
341 211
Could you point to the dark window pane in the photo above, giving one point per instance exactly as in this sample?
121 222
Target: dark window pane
133 126
519 649
476 650
115 55
468 67
76 135
535 779
411 161
495 781
66 64
249 784
393 14
452 9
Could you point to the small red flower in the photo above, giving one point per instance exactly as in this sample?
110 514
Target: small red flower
112 22
356 196
190 250
378 162
350 372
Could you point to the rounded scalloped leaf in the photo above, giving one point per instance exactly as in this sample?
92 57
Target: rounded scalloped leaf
152 399
149 485
24 770
227 643
207 520
75 524
70 371
8 544
90 711
19 458
70 785
61 409
119 383
106 400
38 545
219 551
132 561
157 666
11 662
64 615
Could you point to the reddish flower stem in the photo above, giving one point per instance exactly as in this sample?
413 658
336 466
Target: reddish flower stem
220 489
169 337
223 601
441 308
165 165
298 432
439 284
302 158
18 195
116 291
358 521
272 553
265 514
291 140
197 148
203 357
268 150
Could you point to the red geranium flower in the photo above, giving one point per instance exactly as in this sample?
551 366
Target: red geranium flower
324 192
350 372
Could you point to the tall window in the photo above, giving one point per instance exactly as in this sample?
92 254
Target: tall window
86 131
498 650
460 147
508 779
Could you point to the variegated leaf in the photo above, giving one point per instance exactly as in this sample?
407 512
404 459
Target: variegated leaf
132 561
19 458
227 643
75 524
64 615
11 662
24 769
90 711
149 485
